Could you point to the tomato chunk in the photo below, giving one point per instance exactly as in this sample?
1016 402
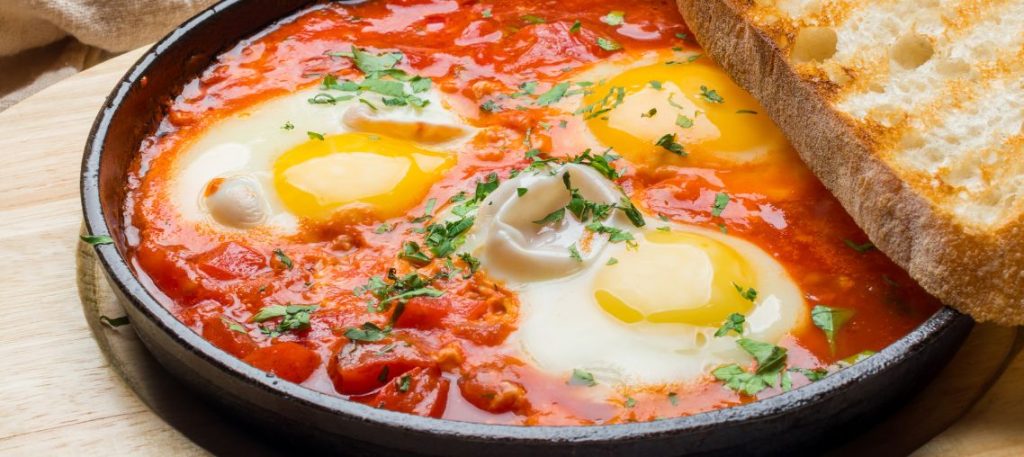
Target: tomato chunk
493 391
290 361
360 368
230 261
217 330
424 313
420 391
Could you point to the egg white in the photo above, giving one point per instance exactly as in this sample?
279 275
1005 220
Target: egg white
563 328
247 144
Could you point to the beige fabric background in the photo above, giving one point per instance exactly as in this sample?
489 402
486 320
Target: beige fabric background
44 41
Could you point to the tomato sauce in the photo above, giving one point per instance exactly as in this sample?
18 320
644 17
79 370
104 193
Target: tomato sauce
444 358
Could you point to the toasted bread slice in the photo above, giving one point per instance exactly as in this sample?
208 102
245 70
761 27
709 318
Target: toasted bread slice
911 112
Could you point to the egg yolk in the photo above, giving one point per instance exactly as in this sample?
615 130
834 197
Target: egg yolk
695 103
387 175
675 278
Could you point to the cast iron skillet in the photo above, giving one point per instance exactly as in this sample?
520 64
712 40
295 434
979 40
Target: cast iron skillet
803 419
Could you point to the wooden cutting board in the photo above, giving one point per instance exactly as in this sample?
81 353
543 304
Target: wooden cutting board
73 386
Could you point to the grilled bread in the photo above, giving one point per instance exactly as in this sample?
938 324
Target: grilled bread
911 112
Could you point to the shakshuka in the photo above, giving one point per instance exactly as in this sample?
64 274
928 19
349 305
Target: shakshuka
546 212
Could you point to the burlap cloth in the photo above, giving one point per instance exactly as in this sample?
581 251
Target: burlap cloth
44 41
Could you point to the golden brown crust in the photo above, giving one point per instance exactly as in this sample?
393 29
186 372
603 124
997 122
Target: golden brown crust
979 272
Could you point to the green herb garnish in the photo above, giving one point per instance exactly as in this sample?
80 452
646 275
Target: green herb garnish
581 378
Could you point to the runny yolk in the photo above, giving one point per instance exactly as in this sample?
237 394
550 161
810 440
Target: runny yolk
386 175
675 278
695 103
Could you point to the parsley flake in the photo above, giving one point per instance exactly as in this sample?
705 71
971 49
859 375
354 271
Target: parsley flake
97 240
581 378
733 323
710 95
830 320
614 18
283 258
721 201
553 95
861 248
668 142
608 44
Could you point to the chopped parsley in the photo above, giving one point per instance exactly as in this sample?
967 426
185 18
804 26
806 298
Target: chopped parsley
315 136
614 18
612 261
404 382
721 201
710 95
520 191
814 375
602 163
615 235
608 44
684 121
771 361
232 325
97 240
650 113
383 228
283 258
472 262
631 211
486 13
581 378
656 85
288 126
532 19
748 294
553 95
411 253
294 317
367 333
575 253
861 248
554 217
491 106
733 323
576 26
830 320
630 402
400 289
668 142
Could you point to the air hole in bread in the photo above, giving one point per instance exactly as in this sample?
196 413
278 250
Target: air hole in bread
912 51
814 44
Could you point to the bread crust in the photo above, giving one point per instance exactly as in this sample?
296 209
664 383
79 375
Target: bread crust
979 272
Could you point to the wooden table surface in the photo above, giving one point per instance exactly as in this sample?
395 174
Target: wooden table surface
60 396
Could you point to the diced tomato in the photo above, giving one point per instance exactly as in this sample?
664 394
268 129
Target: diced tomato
493 391
424 313
360 368
290 361
420 391
169 271
217 330
230 261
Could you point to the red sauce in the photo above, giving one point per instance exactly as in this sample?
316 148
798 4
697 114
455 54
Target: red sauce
444 359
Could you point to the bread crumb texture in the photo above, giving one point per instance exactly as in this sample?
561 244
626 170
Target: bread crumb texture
937 83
